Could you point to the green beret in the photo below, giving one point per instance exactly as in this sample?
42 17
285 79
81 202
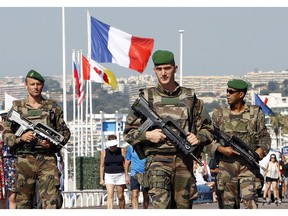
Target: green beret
163 57
237 84
35 75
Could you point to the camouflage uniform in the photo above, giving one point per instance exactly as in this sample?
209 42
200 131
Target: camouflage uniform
235 174
34 162
168 171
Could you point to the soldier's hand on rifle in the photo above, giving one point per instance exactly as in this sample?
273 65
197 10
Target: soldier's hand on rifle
28 136
155 136
45 143
192 139
228 151
260 152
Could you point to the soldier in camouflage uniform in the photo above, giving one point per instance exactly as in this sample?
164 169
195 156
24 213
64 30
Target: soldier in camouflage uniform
237 179
36 157
168 171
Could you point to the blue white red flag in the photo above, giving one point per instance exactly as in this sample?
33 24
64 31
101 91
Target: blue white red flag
77 83
109 44
266 110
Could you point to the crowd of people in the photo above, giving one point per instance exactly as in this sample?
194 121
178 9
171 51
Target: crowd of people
166 170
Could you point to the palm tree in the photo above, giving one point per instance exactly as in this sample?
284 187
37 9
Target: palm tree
279 126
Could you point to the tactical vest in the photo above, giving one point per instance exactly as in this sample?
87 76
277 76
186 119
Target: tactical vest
45 115
180 108
243 126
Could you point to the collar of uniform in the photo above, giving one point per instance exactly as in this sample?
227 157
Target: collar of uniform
246 108
42 101
176 91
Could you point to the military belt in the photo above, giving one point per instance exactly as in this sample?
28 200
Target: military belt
235 158
163 153
24 154
32 150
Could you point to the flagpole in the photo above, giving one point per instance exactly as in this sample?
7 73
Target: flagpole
88 35
91 122
78 112
86 120
81 115
91 107
74 119
64 98
181 52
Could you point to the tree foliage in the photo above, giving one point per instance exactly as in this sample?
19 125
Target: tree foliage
102 101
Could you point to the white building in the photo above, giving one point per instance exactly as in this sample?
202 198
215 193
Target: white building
276 102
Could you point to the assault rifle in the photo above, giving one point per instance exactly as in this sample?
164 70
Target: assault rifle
41 131
167 125
238 145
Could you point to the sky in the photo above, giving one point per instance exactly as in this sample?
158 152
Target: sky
216 40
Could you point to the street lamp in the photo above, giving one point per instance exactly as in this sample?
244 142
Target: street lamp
181 51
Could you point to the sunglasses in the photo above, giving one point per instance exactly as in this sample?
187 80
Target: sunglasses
230 91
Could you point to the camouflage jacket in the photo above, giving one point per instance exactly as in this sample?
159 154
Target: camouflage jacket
249 126
177 105
49 113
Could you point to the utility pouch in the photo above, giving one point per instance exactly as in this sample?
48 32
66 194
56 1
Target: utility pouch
142 178
140 151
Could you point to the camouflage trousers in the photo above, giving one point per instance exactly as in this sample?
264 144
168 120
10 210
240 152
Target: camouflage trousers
30 169
171 181
236 181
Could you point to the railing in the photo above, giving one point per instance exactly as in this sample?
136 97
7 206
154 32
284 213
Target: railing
90 198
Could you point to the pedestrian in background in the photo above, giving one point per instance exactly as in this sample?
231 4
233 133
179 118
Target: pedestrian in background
285 176
112 171
200 180
273 176
236 175
9 160
137 166
36 159
214 170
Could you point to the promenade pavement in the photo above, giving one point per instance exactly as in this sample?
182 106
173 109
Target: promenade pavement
205 206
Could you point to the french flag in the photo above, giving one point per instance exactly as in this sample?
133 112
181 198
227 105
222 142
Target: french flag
109 44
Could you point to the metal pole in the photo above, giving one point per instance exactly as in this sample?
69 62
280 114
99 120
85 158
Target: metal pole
181 54
64 99
74 122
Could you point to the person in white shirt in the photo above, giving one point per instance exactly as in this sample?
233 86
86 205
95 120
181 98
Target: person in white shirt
198 173
272 173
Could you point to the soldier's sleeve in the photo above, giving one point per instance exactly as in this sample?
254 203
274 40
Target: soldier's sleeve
204 126
212 147
61 126
8 135
131 133
264 136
